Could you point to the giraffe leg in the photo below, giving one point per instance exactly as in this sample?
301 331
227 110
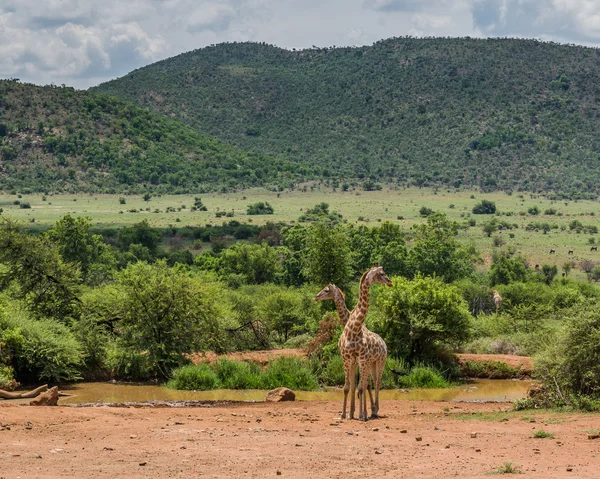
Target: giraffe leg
352 390
364 378
347 373
378 376
374 404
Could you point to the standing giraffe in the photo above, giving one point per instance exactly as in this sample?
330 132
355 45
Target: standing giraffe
497 300
377 344
355 342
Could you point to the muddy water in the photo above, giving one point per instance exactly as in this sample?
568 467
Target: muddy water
478 390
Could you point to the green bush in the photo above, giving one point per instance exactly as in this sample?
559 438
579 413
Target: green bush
198 377
293 373
237 374
332 374
7 380
569 367
490 370
421 315
126 363
423 377
41 349
484 207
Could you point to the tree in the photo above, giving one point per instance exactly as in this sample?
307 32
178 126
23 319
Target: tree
419 315
140 233
507 269
256 263
549 272
48 285
436 251
328 256
490 227
282 312
164 312
260 208
484 207
77 245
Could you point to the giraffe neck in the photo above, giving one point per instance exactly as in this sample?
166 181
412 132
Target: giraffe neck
357 318
341 307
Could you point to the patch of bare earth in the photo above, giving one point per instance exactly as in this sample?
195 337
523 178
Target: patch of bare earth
261 357
295 440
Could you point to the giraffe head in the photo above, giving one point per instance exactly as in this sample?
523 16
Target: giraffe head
328 292
377 275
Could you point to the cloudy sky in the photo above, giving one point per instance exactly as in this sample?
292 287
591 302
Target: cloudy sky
84 42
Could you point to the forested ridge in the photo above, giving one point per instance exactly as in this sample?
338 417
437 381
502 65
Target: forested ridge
57 138
494 113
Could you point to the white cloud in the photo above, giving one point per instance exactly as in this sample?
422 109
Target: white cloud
213 16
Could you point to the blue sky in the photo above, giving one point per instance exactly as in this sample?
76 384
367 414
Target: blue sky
85 42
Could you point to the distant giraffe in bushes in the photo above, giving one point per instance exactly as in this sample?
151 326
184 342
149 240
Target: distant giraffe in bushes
377 344
497 300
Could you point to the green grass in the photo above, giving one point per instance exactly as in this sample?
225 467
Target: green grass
293 373
541 434
373 206
508 468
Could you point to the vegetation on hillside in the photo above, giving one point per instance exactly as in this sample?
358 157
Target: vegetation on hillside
491 113
59 139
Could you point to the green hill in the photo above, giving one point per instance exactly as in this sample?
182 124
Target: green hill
57 138
497 113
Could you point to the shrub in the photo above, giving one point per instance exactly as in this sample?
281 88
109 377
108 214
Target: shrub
260 208
534 210
25 205
484 207
424 211
200 377
541 434
237 374
569 367
490 370
41 349
419 315
124 362
423 377
293 373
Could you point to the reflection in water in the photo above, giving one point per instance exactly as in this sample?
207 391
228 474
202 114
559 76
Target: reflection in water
478 390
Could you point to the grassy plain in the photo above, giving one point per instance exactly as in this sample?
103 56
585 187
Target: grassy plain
359 207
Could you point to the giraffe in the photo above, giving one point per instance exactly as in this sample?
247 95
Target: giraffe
331 291
497 300
357 348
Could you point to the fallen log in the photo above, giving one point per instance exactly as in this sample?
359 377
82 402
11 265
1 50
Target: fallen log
23 394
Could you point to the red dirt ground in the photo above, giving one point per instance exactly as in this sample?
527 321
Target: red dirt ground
294 440
525 362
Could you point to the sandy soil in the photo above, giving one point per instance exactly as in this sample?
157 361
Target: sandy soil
294 440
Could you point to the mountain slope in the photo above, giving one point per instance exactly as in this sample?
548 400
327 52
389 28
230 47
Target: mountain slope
497 113
61 139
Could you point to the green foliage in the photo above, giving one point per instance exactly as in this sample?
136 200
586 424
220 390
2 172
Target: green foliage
162 311
48 285
541 434
489 370
425 377
419 125
237 374
570 367
533 210
436 251
290 372
506 269
484 207
260 208
508 468
294 373
320 213
123 361
254 263
327 257
424 211
39 349
87 251
195 377
99 143
419 316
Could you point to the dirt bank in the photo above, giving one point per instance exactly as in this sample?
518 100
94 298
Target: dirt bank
297 440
